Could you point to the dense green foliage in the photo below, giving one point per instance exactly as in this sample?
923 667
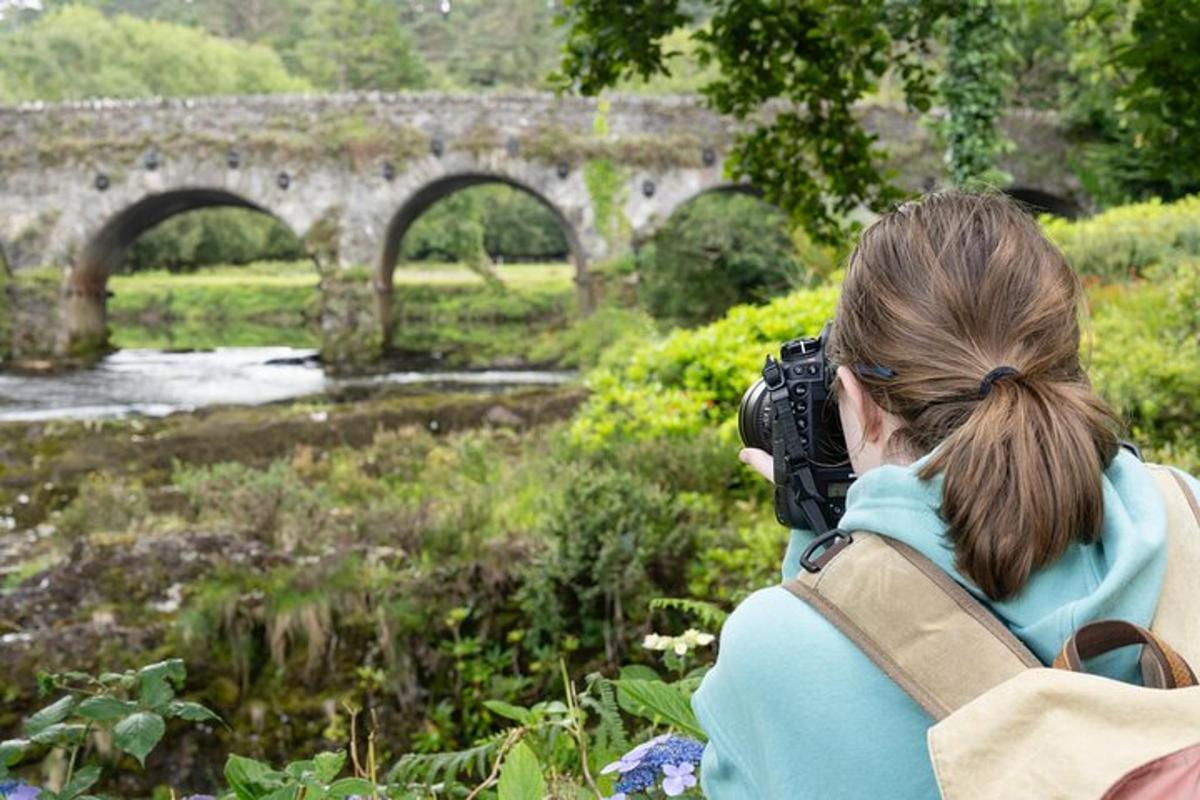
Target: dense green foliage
716 252
333 44
356 44
1126 242
505 223
822 57
973 86
1161 103
213 236
77 52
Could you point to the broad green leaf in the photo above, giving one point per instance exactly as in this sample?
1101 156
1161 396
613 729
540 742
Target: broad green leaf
81 781
61 733
138 733
154 693
328 765
521 775
348 787
639 672
658 701
50 715
298 769
157 683
286 793
104 709
172 669
11 751
193 712
509 711
249 778
314 790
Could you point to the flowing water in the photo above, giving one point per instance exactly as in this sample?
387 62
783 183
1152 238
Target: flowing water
156 383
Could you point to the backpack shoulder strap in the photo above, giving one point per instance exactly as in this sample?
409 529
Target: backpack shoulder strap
924 630
1175 618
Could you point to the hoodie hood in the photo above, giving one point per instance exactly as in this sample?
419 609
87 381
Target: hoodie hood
1120 575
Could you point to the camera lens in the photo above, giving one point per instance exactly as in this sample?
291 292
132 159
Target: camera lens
754 417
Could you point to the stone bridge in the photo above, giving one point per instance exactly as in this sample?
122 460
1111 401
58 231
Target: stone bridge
349 173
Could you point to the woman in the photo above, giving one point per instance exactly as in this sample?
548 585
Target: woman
982 445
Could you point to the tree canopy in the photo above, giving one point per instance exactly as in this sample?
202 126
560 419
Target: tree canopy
78 52
810 156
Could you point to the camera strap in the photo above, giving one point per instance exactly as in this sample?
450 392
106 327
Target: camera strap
806 488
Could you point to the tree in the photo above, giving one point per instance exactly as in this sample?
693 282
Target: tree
811 156
715 252
1162 104
358 44
77 52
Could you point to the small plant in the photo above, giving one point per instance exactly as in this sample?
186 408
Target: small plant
310 779
132 707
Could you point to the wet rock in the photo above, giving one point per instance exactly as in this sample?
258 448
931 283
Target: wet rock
501 417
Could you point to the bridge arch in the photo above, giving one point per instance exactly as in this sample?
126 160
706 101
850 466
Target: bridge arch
439 188
85 290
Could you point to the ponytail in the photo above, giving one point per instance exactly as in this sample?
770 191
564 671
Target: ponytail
942 291
1022 479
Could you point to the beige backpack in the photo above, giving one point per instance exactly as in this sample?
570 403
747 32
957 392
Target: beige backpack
1005 726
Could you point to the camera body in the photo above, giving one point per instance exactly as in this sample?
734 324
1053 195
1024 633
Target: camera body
791 414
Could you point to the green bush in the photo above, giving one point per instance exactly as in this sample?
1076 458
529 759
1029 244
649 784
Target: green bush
693 379
715 252
1125 242
272 505
1145 352
104 504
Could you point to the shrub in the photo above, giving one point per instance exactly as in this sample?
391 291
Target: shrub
715 252
1145 351
693 379
1126 241
272 505
619 529
104 504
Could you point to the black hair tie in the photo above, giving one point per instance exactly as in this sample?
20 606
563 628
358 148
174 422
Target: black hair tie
985 385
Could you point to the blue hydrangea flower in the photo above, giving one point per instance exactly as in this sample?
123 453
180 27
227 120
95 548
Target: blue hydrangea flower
642 766
18 790
679 778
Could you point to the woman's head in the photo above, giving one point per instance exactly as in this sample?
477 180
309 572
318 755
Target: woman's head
938 295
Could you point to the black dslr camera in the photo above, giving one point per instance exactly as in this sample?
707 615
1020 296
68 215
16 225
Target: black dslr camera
790 414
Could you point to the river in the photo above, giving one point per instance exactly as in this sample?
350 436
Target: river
156 383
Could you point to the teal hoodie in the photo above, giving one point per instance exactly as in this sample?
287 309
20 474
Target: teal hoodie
793 709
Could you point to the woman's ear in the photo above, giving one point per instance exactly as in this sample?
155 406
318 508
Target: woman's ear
865 411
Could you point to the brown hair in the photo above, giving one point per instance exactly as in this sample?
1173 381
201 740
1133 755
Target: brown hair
939 293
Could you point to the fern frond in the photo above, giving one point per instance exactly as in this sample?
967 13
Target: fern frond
610 733
426 769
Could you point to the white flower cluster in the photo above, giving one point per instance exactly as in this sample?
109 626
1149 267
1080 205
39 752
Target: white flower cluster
688 640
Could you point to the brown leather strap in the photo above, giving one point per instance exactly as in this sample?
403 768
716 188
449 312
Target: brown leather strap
920 627
1162 667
